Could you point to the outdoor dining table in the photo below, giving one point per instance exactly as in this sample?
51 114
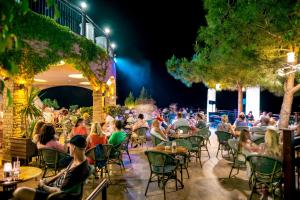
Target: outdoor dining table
179 136
26 173
179 151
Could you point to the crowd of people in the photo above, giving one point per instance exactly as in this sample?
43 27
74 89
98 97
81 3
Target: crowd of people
83 136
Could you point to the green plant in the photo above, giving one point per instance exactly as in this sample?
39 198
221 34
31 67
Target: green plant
88 110
129 101
29 111
114 110
73 108
51 103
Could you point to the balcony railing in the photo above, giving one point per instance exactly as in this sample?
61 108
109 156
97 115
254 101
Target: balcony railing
73 17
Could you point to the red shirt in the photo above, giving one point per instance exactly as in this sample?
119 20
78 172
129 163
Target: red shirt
94 139
79 131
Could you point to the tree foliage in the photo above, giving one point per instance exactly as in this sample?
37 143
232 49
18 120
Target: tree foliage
244 42
129 101
51 103
29 111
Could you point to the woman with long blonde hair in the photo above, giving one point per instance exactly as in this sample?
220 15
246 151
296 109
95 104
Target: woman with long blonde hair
96 136
271 146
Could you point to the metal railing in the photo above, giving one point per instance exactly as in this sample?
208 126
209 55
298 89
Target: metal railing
101 188
73 17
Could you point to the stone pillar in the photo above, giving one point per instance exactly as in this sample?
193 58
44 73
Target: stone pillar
110 93
12 121
98 106
211 102
253 101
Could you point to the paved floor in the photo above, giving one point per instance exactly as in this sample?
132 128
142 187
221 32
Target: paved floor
208 183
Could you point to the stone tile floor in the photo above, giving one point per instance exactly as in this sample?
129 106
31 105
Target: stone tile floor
208 183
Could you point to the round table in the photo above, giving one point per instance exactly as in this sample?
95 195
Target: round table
179 150
179 136
26 173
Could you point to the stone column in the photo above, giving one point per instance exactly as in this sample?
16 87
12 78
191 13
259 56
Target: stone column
12 121
211 102
98 106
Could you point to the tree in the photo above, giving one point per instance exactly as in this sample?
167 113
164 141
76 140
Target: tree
246 42
129 101
51 103
224 54
29 112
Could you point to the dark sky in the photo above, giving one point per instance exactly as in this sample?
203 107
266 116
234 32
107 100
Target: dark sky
147 33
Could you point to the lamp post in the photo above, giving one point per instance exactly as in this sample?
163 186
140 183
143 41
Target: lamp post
107 32
83 7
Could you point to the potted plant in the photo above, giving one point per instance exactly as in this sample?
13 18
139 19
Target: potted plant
23 147
30 112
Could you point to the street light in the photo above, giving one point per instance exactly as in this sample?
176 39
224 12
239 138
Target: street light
107 31
113 45
83 5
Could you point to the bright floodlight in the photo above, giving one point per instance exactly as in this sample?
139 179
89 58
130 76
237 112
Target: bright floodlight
291 57
83 5
218 86
106 30
113 45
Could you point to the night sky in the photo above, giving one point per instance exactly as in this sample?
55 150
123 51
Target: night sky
147 33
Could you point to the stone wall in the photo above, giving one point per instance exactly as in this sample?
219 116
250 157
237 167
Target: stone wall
98 106
12 121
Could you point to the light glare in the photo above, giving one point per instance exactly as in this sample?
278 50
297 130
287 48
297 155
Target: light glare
78 76
291 57
107 30
113 45
83 5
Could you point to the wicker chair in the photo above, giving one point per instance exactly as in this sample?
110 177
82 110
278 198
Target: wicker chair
74 193
125 145
239 159
101 158
223 138
265 171
196 142
184 129
141 136
184 162
162 166
155 140
205 134
51 159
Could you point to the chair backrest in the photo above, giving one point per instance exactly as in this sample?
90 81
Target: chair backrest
141 131
159 159
75 192
184 143
100 156
196 140
204 132
239 128
155 140
259 140
265 167
51 157
185 129
223 136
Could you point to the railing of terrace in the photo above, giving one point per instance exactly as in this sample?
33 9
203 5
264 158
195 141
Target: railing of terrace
73 17
100 189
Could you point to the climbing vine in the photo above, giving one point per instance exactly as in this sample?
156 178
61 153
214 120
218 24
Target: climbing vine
43 43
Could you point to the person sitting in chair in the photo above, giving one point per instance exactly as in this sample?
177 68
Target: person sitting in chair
72 176
119 136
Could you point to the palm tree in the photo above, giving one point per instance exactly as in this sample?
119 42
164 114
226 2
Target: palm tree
30 111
